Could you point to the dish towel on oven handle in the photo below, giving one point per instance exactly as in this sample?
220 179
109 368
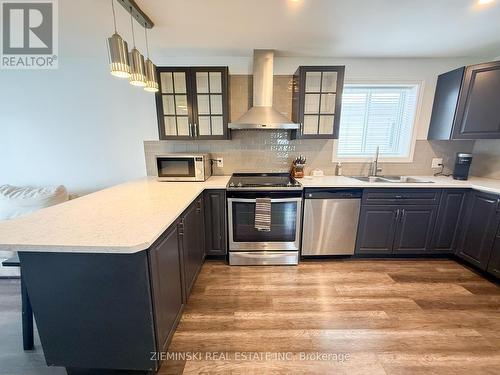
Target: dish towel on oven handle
263 214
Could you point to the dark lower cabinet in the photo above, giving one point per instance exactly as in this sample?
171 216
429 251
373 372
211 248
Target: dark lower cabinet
453 221
449 219
414 229
166 282
408 196
397 221
192 237
395 229
480 227
100 312
93 311
215 222
376 229
494 263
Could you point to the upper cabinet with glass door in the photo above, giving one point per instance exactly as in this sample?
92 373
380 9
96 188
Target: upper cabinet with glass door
193 103
317 98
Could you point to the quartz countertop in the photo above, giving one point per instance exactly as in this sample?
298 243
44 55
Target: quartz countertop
130 217
126 218
482 184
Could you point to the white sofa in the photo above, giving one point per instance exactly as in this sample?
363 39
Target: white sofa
16 201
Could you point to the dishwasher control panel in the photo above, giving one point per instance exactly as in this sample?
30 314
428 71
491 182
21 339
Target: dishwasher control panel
332 193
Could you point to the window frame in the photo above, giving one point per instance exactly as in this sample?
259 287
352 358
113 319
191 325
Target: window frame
418 107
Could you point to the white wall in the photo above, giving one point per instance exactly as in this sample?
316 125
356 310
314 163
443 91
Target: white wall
76 126
83 128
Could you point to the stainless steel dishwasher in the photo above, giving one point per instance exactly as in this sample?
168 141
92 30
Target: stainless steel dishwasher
330 221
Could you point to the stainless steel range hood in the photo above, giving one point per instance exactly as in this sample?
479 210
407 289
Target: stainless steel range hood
262 115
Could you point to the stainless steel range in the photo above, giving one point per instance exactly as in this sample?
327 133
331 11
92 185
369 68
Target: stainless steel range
280 198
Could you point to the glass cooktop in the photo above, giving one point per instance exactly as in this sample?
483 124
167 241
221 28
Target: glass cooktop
262 180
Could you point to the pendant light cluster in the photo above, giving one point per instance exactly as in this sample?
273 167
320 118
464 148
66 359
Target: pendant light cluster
131 65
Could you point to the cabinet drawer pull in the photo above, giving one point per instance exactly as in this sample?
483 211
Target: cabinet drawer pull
398 197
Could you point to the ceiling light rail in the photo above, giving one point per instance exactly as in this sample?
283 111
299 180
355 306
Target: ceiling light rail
132 65
137 13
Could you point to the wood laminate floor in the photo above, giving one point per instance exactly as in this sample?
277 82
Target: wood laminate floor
363 316
357 317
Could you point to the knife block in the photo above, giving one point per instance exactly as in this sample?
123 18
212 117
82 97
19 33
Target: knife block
298 170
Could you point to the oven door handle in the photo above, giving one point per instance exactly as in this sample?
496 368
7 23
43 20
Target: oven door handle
273 200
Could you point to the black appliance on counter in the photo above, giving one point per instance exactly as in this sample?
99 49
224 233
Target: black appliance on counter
281 244
462 165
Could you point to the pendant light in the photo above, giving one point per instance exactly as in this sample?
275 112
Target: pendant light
151 81
137 68
118 52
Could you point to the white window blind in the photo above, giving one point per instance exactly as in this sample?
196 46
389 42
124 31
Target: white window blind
376 115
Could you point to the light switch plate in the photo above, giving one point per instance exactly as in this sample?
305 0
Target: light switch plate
220 162
437 162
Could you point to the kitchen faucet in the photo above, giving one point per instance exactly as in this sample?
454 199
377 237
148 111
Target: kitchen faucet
374 169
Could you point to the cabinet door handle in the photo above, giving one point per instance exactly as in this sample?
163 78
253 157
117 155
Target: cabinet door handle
397 215
403 213
190 129
498 204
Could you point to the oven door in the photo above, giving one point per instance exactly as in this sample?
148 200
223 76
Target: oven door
176 168
285 225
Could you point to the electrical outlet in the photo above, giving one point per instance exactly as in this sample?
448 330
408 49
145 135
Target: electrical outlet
437 162
220 162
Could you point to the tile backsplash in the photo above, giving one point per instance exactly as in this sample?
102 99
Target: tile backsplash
486 158
272 151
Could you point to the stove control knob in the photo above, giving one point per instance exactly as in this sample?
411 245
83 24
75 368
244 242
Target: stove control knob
240 184
231 184
289 184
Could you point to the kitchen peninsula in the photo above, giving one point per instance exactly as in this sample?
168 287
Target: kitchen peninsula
108 274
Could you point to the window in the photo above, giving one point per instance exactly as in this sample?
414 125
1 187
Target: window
377 115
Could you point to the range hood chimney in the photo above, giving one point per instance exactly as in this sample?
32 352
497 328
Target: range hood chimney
262 115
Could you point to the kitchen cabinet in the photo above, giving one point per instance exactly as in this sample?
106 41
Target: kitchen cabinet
494 262
414 229
482 219
93 310
467 104
191 232
316 101
215 222
450 215
397 221
72 292
166 285
376 230
395 229
192 103
409 196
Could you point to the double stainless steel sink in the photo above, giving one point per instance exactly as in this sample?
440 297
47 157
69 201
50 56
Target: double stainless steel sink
392 179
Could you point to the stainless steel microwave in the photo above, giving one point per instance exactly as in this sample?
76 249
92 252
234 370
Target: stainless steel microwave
183 167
